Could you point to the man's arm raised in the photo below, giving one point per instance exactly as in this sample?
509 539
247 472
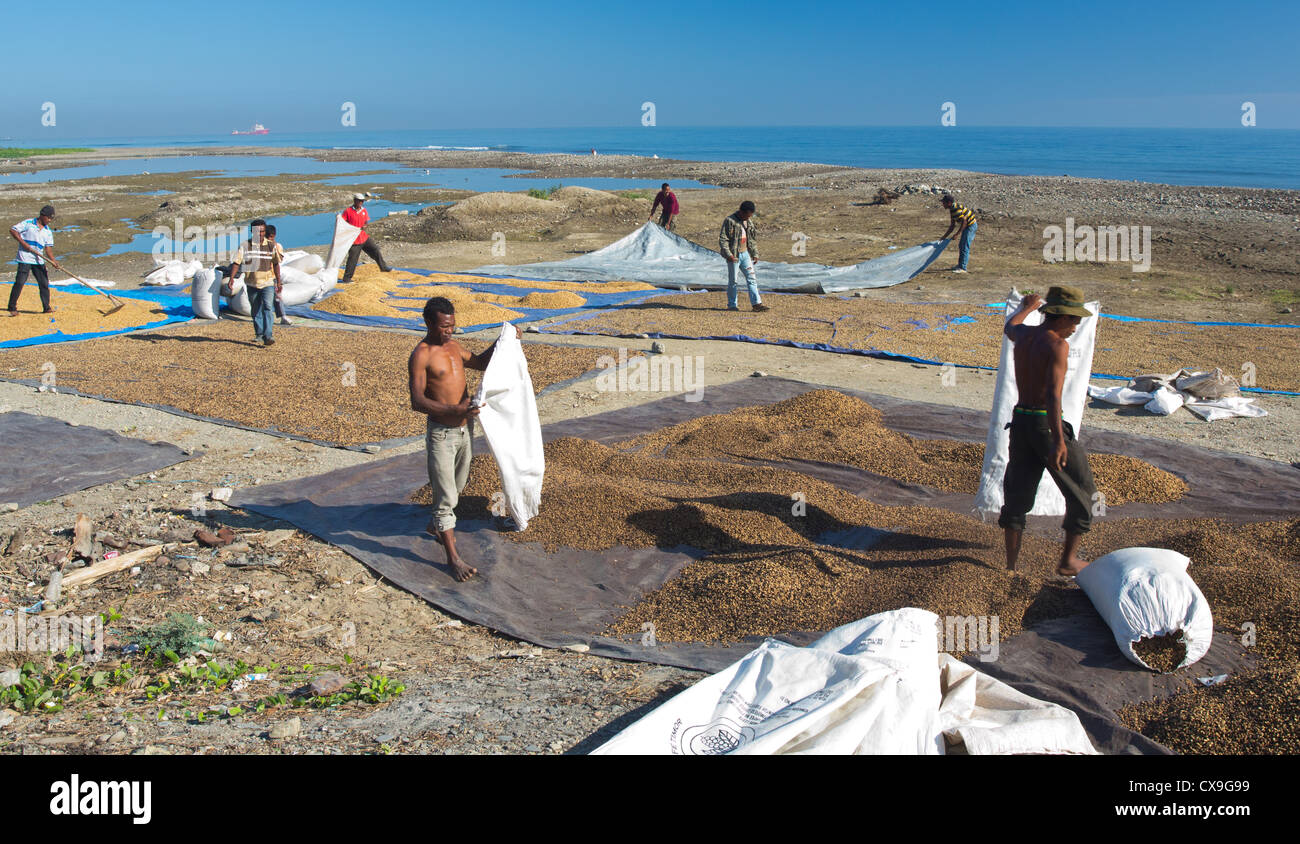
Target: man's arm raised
1014 328
479 361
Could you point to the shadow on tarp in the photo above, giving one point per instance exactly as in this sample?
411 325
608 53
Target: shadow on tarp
882 354
177 309
572 596
46 458
595 304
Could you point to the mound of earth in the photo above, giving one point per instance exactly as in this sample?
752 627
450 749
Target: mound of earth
517 215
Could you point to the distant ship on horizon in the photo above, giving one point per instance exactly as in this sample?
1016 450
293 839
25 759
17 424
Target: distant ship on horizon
258 129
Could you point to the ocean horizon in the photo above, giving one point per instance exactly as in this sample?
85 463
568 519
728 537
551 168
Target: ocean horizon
1242 157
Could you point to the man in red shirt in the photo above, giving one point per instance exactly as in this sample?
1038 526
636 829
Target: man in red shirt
668 200
358 216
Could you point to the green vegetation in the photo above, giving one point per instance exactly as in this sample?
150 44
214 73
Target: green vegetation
1282 298
178 635
29 152
539 193
637 194
50 690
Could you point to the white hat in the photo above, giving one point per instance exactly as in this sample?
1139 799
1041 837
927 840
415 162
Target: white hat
360 196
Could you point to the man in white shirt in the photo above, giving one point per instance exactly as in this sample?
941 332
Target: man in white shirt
35 241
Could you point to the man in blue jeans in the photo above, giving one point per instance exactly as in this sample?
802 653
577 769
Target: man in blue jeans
737 242
961 220
260 260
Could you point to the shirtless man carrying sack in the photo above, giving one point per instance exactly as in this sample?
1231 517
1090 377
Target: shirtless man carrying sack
1040 438
438 390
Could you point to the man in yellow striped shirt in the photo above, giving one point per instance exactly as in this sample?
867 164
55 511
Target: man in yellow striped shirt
961 220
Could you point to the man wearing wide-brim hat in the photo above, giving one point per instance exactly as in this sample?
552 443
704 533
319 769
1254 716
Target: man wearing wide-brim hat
1040 438
358 216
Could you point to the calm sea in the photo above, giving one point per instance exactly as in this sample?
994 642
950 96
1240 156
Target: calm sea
1244 157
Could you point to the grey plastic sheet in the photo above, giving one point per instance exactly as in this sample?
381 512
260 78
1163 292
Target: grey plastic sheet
654 255
45 458
571 596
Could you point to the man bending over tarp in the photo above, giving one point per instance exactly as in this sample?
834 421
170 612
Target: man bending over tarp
437 381
1040 438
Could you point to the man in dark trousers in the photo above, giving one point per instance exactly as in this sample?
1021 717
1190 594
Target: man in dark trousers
1040 438
358 216
35 241
668 200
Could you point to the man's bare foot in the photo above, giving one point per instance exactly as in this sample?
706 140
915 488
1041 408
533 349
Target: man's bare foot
1071 567
460 570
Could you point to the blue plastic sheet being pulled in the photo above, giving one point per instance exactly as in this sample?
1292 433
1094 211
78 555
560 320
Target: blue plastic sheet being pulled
512 285
175 307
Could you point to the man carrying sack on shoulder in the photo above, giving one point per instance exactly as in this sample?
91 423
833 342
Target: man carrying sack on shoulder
1040 438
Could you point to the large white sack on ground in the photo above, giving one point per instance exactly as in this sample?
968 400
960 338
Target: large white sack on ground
875 686
344 235
205 294
237 301
1049 501
653 255
991 718
172 271
508 413
1146 592
1165 401
784 699
328 279
304 261
1225 408
299 287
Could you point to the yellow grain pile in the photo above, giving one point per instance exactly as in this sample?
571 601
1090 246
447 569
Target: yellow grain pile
74 313
552 300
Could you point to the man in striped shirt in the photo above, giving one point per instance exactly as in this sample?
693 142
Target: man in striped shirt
35 241
962 221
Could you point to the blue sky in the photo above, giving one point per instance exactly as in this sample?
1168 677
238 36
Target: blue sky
150 68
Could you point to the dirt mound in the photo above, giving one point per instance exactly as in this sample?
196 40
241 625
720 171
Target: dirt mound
521 216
